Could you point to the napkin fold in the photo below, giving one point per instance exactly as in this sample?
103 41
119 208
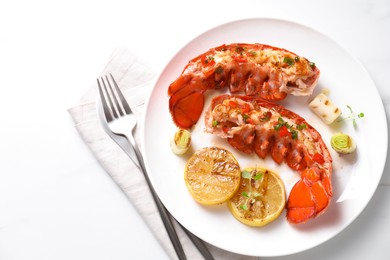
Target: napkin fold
135 79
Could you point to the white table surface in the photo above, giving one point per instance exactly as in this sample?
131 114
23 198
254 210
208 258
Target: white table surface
56 202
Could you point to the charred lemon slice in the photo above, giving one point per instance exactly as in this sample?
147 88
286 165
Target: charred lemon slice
212 175
260 199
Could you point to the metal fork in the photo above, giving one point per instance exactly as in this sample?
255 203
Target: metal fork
122 121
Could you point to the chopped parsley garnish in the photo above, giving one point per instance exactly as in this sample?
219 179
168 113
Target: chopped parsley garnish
285 129
301 126
280 123
294 134
253 53
245 117
289 61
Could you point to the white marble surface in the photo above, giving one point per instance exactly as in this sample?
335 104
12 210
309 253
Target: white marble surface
56 202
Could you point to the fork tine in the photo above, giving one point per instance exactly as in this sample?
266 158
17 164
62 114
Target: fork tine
106 109
116 108
122 98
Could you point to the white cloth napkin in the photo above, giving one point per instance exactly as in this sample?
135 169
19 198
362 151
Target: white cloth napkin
135 79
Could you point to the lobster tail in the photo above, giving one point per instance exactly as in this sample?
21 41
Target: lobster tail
258 70
254 125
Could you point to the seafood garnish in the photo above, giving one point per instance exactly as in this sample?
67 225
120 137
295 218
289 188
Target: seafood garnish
253 125
257 70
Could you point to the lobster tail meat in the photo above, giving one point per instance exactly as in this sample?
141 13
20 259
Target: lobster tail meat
253 125
258 70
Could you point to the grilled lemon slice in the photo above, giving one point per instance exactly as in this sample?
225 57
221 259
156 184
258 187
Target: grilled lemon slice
260 199
212 175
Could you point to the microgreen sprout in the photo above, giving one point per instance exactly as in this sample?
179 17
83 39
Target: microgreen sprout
253 175
352 116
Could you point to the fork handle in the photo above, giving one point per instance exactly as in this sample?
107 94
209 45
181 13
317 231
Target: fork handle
165 216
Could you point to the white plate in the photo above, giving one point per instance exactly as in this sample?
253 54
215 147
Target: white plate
355 177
